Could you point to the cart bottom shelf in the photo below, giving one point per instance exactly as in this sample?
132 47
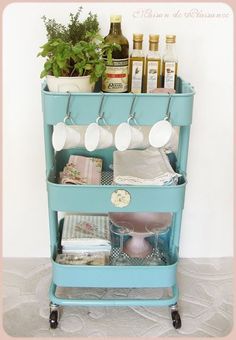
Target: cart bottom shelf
169 300
118 276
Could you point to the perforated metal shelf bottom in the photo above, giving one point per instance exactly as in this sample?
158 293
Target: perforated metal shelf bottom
107 178
157 257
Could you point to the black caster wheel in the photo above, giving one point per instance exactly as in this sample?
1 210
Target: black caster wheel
53 319
176 319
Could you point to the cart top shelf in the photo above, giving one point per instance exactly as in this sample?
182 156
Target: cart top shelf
148 108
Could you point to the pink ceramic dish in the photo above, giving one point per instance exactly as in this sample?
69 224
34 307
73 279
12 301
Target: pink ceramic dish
140 220
137 246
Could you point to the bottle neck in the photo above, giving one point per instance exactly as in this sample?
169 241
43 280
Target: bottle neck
153 46
115 28
137 45
170 54
170 47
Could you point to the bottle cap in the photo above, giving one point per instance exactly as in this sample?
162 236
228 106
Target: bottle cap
137 37
154 38
170 39
115 18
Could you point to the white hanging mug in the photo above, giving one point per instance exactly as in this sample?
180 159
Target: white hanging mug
98 137
160 133
67 136
128 137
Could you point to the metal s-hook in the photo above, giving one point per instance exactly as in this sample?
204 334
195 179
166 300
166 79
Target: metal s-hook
131 113
168 113
68 113
100 113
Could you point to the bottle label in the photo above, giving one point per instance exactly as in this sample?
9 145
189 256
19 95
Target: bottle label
137 76
169 76
152 75
116 76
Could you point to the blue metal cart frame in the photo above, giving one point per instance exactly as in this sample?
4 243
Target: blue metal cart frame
84 109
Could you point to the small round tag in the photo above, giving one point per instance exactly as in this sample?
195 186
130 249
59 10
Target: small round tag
120 198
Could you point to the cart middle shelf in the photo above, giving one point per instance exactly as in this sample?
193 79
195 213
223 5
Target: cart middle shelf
105 197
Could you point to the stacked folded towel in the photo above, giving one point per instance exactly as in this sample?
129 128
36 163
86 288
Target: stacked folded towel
82 170
87 237
143 167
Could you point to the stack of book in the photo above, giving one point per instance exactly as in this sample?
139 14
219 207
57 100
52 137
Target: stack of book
85 240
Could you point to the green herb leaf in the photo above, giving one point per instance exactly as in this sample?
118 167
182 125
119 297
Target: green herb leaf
76 48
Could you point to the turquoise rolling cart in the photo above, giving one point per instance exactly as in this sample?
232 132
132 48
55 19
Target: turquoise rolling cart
84 109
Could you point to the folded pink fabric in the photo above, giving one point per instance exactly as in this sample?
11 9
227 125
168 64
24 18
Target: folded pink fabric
162 90
82 170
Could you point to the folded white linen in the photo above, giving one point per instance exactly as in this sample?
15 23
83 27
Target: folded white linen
143 167
81 250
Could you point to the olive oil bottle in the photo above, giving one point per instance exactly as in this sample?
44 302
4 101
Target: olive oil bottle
116 74
170 63
152 65
136 65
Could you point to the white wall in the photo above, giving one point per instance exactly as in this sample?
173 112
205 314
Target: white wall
205 48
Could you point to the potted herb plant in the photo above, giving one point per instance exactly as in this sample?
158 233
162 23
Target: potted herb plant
74 54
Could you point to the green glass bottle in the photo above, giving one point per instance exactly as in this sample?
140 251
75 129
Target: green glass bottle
116 74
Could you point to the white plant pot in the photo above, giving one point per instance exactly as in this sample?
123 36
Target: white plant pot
69 84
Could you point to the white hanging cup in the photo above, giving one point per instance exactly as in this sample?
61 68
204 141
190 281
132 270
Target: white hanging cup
128 137
67 136
172 144
97 137
161 134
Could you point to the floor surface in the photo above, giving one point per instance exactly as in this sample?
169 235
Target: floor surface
206 304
